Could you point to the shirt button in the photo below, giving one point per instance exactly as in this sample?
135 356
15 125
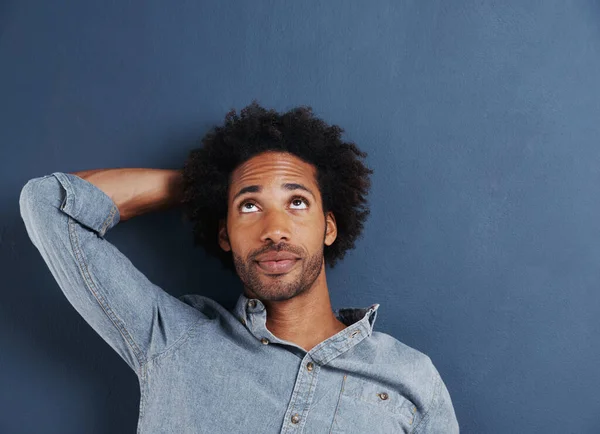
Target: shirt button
264 341
252 303
309 366
243 321
295 418
383 396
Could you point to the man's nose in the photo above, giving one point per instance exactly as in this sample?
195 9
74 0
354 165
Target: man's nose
276 226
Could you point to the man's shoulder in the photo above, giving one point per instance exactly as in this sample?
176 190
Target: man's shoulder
393 349
416 378
409 365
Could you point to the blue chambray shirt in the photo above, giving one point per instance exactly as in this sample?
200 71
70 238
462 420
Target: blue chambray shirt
204 369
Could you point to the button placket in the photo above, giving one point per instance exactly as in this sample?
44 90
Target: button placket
304 392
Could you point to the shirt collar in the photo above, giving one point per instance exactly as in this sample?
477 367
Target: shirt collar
252 313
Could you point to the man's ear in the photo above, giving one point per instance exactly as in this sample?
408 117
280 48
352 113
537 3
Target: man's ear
223 236
330 229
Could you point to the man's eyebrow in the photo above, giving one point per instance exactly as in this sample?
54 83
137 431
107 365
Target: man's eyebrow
258 188
292 186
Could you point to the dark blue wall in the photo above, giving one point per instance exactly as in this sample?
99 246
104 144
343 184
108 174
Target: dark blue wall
482 123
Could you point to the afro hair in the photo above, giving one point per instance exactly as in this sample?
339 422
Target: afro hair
342 178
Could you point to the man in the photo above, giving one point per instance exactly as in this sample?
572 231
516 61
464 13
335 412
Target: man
275 197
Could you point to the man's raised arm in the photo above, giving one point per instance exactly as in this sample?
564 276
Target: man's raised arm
136 191
67 216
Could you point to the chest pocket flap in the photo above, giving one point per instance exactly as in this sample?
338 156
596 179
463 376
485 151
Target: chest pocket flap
379 396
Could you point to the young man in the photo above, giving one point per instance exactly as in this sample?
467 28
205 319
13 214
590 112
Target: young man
275 197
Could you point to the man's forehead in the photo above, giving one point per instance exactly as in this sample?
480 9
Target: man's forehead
273 170
273 167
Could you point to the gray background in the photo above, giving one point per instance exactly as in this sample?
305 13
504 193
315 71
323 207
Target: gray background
481 121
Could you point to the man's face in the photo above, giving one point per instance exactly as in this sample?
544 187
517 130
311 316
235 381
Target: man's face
274 208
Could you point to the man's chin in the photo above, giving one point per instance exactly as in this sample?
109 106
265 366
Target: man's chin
276 293
269 278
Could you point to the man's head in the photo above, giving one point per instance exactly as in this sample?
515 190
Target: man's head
276 227
276 184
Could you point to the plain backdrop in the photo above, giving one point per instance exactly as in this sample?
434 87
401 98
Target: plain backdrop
481 120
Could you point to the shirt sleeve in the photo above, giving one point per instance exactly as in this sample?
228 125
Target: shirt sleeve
440 418
66 218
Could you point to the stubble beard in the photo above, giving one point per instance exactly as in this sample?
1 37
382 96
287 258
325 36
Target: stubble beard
279 287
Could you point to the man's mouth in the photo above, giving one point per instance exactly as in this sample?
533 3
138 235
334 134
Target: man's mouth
282 266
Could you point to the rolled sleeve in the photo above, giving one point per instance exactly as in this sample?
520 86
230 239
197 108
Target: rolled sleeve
101 216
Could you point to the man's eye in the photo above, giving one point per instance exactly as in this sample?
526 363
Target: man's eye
245 207
300 199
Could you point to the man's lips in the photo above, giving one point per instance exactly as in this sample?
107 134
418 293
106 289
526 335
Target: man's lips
282 266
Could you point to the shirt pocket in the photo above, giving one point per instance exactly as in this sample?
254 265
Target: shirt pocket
370 406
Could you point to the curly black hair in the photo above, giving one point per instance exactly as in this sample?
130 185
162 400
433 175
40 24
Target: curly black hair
342 177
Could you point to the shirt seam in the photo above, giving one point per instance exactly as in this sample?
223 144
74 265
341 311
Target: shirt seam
143 395
180 340
434 401
108 221
338 404
87 277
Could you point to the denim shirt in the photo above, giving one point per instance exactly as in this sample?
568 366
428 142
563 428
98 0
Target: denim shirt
205 369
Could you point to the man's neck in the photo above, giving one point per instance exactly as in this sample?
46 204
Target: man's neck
307 319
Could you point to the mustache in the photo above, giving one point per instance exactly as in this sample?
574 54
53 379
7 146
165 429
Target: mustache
280 247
